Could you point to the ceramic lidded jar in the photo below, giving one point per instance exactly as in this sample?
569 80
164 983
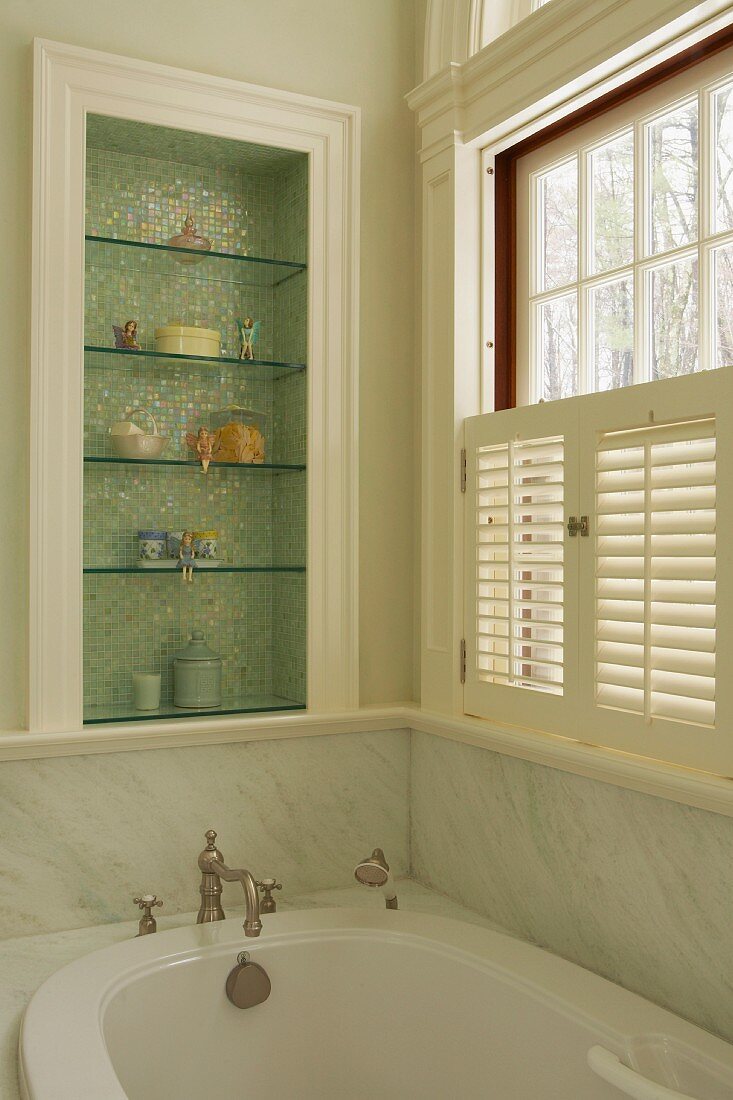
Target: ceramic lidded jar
197 675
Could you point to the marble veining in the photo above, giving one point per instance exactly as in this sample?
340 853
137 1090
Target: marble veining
636 888
81 835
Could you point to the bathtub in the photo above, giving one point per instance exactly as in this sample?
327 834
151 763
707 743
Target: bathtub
364 1003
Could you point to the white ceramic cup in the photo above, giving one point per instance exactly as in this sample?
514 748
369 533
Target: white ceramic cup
146 690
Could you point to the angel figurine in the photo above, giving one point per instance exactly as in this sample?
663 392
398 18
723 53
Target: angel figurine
126 337
186 555
203 444
249 331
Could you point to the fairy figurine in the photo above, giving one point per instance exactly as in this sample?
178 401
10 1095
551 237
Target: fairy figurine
126 337
186 556
249 332
203 444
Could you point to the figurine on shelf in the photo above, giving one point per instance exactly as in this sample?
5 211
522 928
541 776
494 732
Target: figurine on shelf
203 444
186 556
249 331
190 239
126 337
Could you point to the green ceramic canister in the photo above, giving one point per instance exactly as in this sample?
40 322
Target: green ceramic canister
197 675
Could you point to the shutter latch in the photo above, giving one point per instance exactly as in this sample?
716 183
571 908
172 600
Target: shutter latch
463 470
578 526
463 660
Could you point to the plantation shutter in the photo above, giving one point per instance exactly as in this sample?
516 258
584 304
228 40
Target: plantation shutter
656 571
619 639
517 558
519 563
656 465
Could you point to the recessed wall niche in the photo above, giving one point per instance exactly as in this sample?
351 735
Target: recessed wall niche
248 518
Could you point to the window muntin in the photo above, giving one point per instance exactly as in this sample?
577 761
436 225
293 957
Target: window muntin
651 281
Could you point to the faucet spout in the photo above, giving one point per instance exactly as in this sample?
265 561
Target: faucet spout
213 869
252 922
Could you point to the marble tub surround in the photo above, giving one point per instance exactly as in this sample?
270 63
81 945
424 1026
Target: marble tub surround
636 888
82 835
25 963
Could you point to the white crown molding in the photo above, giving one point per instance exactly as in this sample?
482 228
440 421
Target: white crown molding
446 85
564 54
452 32
69 83
676 784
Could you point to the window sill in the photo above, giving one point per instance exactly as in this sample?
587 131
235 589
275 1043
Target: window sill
184 732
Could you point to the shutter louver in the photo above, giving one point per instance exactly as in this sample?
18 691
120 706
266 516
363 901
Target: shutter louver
655 571
519 564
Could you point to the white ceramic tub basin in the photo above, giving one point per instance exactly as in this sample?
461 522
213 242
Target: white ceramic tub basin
364 1003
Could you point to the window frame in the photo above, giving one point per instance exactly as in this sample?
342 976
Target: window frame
504 182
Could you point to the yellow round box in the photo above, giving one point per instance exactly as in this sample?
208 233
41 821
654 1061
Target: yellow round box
187 340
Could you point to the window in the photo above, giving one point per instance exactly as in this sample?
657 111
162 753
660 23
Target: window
598 593
623 241
599 582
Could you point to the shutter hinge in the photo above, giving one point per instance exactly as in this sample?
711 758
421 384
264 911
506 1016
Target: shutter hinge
463 469
463 660
578 526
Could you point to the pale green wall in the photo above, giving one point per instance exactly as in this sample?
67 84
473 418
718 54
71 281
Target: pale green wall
354 51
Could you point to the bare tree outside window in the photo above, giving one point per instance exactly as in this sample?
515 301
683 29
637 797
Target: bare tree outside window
618 230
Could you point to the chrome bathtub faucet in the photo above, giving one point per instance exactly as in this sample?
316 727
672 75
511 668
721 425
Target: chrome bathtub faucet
213 870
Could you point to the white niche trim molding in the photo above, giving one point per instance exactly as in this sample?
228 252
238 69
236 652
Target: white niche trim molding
71 82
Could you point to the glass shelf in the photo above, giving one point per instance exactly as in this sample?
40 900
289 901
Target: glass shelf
242 704
191 263
200 571
270 367
115 459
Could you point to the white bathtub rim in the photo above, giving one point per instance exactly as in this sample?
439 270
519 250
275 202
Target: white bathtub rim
620 1018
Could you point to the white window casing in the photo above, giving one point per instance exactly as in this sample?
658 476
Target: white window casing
614 639
702 255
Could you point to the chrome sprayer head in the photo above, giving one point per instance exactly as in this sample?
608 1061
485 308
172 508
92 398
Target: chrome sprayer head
374 872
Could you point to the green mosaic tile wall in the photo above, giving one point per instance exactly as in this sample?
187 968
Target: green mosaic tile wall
291 240
257 622
181 396
121 500
138 624
289 635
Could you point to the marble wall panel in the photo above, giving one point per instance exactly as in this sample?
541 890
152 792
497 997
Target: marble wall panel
636 888
81 835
